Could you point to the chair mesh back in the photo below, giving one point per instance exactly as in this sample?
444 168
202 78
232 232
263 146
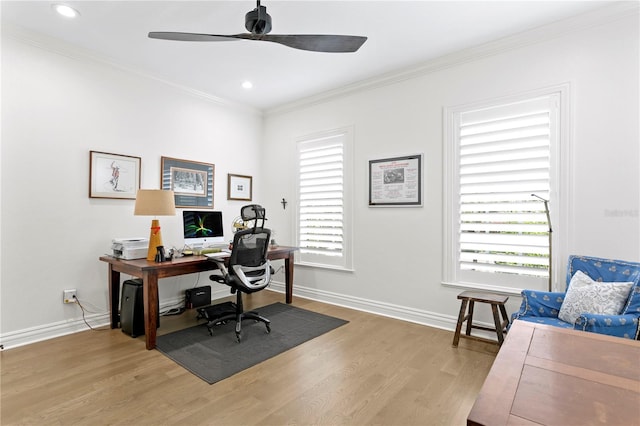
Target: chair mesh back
250 247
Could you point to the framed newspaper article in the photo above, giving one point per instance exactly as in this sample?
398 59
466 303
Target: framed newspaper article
396 181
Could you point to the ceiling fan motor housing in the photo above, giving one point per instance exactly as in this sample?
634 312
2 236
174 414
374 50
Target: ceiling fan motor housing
258 21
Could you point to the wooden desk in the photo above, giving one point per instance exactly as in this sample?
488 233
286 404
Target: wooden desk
545 375
150 272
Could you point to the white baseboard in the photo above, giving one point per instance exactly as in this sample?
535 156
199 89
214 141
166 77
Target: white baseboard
49 331
62 328
431 319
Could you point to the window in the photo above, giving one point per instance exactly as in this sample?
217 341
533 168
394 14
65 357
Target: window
323 200
502 166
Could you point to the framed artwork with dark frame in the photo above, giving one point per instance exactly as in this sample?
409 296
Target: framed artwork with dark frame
239 187
396 181
113 175
191 182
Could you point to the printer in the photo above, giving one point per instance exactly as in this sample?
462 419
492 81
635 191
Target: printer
130 248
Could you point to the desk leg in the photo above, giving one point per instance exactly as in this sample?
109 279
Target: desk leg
150 296
114 296
288 277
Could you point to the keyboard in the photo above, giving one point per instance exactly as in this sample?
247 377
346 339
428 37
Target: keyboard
217 255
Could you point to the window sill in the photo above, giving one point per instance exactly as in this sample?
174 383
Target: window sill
323 266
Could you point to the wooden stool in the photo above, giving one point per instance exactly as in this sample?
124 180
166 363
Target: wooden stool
496 301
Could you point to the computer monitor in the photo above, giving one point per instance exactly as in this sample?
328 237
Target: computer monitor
202 228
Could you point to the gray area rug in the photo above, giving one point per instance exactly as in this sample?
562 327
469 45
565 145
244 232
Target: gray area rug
213 358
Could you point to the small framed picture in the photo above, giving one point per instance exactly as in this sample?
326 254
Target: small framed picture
239 187
191 182
113 175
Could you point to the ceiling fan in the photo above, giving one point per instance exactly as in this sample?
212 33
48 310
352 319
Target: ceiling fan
258 23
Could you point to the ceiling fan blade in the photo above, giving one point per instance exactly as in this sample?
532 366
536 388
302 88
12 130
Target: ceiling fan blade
258 23
314 42
191 36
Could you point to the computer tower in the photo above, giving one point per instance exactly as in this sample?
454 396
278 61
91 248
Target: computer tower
132 308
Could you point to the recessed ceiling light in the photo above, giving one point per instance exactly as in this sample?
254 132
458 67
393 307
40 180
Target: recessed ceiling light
66 11
247 85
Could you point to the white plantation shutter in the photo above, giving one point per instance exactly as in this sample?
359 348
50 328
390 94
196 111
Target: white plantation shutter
503 155
322 206
504 158
321 189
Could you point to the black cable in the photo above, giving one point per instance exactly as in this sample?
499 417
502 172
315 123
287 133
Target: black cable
173 311
83 317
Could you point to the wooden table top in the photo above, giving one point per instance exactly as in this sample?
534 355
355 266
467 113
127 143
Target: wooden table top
278 252
545 375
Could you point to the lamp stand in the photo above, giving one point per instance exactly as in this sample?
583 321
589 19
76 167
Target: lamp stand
155 240
546 210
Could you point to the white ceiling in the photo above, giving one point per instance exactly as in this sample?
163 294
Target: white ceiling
401 34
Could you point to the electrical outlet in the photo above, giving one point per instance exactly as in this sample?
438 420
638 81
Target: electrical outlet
69 296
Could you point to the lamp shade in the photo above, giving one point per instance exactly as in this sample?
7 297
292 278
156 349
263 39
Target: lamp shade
155 202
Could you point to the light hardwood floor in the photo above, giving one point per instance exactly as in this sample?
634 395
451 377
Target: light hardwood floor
372 371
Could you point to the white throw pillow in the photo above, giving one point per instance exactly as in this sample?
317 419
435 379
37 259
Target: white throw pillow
588 296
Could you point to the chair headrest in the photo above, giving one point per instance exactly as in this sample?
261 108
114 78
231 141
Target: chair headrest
252 212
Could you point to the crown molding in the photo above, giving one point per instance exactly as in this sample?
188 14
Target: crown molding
616 10
63 48
544 33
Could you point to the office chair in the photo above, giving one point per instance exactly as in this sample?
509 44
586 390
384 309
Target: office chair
248 269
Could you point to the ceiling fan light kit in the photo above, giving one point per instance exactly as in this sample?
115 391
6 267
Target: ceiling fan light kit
258 23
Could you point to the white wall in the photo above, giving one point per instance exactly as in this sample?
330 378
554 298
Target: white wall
57 105
398 251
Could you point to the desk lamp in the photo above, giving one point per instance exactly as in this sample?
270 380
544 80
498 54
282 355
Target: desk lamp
154 202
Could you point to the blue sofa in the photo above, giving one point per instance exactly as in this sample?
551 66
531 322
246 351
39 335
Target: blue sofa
543 307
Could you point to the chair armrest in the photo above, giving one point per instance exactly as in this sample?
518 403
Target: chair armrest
613 325
539 304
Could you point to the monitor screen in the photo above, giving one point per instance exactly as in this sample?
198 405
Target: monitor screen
202 228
